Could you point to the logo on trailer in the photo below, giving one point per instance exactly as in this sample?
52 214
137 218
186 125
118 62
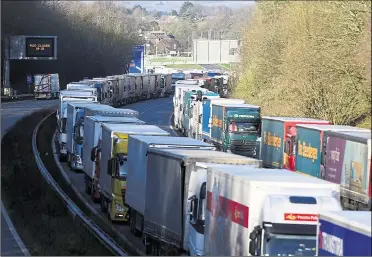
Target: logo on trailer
300 217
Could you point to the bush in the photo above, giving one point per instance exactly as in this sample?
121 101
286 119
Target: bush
309 59
94 39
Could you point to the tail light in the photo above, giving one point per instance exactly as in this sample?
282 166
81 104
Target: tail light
233 127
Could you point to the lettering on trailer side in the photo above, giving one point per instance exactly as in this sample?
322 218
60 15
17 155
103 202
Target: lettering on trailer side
216 122
272 140
307 151
331 243
300 217
226 208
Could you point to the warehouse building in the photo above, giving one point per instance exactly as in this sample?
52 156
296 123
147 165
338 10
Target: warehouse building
215 51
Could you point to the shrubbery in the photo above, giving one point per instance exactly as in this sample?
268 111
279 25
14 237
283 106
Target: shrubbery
93 39
310 59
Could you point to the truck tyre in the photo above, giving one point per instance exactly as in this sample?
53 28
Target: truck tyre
88 188
103 203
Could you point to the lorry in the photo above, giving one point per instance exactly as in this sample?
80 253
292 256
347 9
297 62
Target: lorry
74 113
207 114
235 127
113 165
109 86
104 89
65 97
78 127
310 147
92 132
172 173
168 85
119 90
194 129
344 233
278 143
138 146
189 96
145 87
264 212
348 163
138 87
178 101
46 86
176 77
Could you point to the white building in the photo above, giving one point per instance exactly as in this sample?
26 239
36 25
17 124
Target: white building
215 51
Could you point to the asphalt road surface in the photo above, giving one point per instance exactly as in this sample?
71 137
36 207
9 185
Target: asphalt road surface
11 112
154 112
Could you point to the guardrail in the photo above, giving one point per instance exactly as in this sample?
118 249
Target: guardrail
73 208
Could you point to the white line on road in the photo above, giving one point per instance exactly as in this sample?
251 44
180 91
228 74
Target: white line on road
14 231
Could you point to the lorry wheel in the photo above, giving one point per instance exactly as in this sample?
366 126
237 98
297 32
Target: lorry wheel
103 203
88 188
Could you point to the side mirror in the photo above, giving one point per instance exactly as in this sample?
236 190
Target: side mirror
93 154
192 97
252 248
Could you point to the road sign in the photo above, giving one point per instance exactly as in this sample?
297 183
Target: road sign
33 47
138 58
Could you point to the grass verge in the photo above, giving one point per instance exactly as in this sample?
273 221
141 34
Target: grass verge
184 66
40 217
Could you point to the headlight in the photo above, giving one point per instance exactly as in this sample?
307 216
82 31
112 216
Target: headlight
119 208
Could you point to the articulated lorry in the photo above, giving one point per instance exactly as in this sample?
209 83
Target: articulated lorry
264 212
348 163
196 114
188 98
207 114
67 96
176 77
75 111
235 127
113 165
278 140
77 119
46 86
311 145
168 196
92 132
137 167
344 233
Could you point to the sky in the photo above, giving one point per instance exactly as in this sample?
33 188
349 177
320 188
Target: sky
176 5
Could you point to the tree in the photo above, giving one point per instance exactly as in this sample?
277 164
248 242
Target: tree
187 10
173 13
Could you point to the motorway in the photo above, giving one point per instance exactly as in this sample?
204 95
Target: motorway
154 112
11 112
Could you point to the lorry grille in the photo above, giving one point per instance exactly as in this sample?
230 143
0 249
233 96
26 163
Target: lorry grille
241 146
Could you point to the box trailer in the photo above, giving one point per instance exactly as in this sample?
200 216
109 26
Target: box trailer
264 212
92 132
113 165
46 86
344 233
348 163
138 146
278 140
166 216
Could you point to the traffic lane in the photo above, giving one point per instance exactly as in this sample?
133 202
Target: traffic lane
156 112
77 179
9 245
11 112
153 112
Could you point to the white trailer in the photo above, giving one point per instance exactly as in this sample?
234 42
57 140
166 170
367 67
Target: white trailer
46 86
66 97
92 132
264 212
145 86
137 167
168 196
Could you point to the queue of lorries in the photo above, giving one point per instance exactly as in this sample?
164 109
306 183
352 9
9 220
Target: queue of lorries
220 192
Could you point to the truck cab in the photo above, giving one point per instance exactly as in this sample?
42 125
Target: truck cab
236 127
113 166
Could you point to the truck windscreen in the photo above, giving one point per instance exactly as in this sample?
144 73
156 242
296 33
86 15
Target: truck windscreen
289 245
236 126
